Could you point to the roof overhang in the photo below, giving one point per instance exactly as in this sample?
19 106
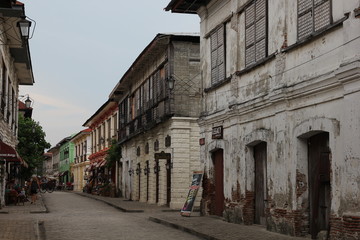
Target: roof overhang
107 107
19 47
185 6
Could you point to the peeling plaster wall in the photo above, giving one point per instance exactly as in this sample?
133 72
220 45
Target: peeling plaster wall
311 89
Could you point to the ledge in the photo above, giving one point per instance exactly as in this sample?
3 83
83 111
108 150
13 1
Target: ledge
255 65
218 84
316 35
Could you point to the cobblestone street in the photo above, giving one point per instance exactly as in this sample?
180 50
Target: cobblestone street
75 217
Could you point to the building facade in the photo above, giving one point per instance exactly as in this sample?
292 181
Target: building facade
47 168
82 143
281 84
159 98
104 129
55 153
15 70
67 155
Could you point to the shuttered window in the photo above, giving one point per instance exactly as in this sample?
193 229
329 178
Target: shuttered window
217 40
255 32
313 15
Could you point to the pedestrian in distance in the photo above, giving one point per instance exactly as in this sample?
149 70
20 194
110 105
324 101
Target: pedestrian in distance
34 187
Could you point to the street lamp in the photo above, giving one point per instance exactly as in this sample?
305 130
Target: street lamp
24 26
171 82
28 102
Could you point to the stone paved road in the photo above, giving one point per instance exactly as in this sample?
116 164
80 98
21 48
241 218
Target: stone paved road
75 217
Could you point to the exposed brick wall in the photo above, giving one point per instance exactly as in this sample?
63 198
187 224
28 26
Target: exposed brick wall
249 208
208 196
301 184
346 227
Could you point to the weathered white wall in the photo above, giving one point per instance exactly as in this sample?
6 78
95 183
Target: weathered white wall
314 87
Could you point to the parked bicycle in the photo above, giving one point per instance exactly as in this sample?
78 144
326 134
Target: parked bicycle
47 187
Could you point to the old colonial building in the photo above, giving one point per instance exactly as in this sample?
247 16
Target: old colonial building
15 70
104 129
159 104
66 153
82 143
55 159
280 121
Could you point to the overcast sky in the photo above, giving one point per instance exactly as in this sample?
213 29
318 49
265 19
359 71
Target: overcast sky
80 49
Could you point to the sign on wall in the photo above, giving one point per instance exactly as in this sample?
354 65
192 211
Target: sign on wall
194 188
217 132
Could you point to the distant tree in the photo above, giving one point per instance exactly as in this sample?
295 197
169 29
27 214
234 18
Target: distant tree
32 145
113 153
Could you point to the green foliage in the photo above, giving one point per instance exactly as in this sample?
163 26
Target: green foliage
32 144
113 154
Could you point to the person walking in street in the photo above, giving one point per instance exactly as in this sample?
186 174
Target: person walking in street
34 187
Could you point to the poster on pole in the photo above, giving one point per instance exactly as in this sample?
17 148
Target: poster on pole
190 200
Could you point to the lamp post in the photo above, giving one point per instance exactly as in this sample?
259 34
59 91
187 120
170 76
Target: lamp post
24 26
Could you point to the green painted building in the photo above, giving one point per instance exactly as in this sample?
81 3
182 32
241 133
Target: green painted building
67 156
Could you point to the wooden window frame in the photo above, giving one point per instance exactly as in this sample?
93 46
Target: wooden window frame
252 26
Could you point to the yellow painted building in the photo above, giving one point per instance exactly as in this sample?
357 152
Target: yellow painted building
82 142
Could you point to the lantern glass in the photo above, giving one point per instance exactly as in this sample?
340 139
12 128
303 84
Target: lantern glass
24 26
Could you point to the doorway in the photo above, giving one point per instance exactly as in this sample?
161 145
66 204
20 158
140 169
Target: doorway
319 183
218 161
260 183
168 181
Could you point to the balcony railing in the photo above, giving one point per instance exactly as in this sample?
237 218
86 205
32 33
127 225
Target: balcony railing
146 119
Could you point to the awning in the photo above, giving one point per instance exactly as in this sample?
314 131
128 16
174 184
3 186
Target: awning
9 154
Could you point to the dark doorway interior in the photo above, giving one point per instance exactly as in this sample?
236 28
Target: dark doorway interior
260 183
319 183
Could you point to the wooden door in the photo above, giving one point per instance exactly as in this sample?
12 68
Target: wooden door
168 182
260 183
218 159
319 183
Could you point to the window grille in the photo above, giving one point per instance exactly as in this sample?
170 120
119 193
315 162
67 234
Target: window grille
313 15
255 32
217 40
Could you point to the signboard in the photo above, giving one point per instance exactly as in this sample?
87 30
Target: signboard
217 132
190 200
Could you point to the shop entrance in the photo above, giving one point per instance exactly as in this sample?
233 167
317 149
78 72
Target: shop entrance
319 183
218 161
260 183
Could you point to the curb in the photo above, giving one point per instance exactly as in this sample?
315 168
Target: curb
182 228
111 204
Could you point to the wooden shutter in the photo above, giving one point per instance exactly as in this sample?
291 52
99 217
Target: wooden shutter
255 32
218 55
313 15
260 29
321 14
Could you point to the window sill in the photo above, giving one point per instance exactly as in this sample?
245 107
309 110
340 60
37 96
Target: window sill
217 85
317 34
255 65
